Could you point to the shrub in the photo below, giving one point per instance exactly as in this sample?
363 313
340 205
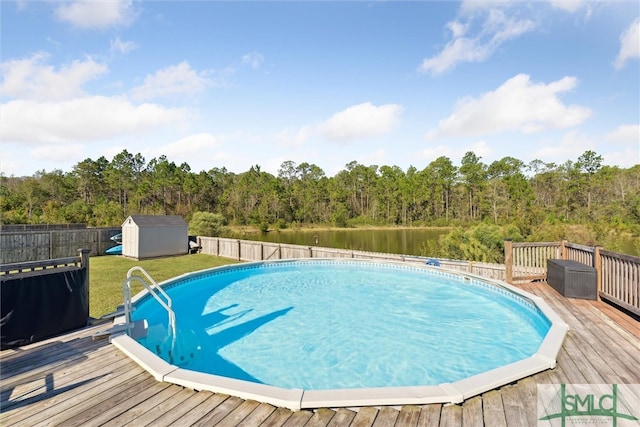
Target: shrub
207 224
484 243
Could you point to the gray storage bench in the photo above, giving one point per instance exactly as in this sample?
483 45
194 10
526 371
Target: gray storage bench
572 279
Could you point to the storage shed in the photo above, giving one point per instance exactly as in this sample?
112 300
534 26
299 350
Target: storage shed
149 236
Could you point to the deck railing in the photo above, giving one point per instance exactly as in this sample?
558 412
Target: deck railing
82 260
619 279
617 275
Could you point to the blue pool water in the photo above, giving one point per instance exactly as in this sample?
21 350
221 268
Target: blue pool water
334 324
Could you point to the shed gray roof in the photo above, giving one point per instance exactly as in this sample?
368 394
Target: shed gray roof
156 220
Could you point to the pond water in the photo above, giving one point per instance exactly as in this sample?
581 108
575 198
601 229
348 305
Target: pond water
407 241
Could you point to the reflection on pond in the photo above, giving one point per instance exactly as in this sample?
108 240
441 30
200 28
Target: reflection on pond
406 241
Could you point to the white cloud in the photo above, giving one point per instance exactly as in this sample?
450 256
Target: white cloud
362 120
358 121
59 155
55 43
253 59
629 44
32 79
625 134
118 46
96 14
496 29
569 5
474 5
377 157
518 105
95 118
485 25
291 137
566 5
178 79
188 147
571 146
625 158
457 29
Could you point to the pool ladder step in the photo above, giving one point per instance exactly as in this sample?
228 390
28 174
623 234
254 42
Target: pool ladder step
155 291
136 330
180 351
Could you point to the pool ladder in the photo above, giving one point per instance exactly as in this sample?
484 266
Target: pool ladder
155 291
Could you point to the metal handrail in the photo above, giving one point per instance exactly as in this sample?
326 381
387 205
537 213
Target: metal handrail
152 289
153 282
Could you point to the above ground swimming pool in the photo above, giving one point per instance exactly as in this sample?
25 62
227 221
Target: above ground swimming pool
310 333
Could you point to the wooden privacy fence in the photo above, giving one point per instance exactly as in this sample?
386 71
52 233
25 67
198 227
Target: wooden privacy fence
248 250
44 244
617 275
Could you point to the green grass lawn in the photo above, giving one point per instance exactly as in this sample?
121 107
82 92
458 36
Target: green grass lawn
108 272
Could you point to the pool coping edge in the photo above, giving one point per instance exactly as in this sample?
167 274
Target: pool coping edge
296 399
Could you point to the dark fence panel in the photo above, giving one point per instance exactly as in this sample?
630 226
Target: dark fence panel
35 306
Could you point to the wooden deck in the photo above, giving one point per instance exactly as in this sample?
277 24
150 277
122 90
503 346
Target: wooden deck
71 380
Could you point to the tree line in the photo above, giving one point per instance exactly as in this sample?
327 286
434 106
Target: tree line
505 192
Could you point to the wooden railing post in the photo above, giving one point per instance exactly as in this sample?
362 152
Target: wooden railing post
597 264
84 263
563 250
508 260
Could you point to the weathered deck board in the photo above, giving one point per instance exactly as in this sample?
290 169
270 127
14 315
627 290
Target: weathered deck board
386 417
277 418
493 409
513 406
596 339
451 416
472 413
220 411
409 415
527 389
343 417
128 396
260 414
430 415
365 417
148 406
73 380
240 413
298 419
321 417
183 405
18 389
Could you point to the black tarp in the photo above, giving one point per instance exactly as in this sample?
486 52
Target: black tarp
38 306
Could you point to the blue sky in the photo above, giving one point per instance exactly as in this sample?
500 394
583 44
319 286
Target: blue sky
236 84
